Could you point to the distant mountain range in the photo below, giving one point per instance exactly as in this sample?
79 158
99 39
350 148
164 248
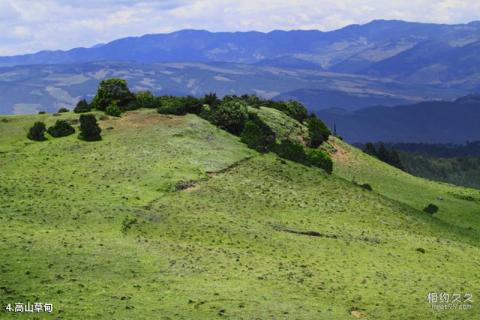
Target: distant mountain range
424 53
426 122
32 88
380 63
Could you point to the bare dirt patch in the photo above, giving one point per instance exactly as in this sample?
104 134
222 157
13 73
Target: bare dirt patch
340 154
135 119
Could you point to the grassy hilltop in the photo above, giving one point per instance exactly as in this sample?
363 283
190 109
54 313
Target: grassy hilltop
169 217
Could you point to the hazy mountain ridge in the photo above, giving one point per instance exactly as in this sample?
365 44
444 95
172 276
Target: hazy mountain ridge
378 63
353 49
29 89
425 122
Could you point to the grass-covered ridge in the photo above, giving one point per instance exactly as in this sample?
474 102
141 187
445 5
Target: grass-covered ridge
169 217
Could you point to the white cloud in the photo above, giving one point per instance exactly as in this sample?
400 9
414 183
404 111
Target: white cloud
62 24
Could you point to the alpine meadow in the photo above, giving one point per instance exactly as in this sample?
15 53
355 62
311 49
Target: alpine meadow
240 160
170 216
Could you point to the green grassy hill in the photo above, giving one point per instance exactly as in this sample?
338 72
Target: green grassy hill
171 218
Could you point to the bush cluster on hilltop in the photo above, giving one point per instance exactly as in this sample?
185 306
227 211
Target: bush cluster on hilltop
231 113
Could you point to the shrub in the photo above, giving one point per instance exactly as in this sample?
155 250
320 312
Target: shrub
431 209
184 184
82 107
41 112
37 132
112 90
291 151
192 104
421 250
205 112
144 99
89 129
317 132
211 99
63 110
230 116
367 187
61 129
171 105
257 135
320 159
113 109
252 100
291 108
127 223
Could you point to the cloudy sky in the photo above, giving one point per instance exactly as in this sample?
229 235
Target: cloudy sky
28 26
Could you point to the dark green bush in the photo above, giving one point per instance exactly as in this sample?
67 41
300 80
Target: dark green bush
184 184
112 90
431 209
82 107
171 105
127 223
211 99
317 132
61 129
192 104
320 159
89 129
252 100
291 151
41 112
63 110
144 99
257 135
113 109
367 187
291 108
230 116
37 132
205 112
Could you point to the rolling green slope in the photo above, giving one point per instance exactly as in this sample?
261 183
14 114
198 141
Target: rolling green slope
172 218
458 206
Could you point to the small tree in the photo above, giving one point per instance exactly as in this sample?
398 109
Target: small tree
145 99
61 129
291 108
37 132
431 209
192 104
291 151
257 135
171 105
89 129
63 110
113 109
112 90
320 159
317 132
82 107
211 99
230 116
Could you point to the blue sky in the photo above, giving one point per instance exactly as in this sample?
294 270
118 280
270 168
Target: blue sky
29 26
